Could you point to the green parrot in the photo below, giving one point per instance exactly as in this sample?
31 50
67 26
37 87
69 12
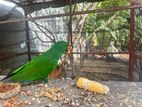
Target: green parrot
39 67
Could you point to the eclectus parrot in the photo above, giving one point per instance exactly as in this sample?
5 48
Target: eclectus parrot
39 67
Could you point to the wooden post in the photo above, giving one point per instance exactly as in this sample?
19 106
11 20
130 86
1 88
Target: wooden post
27 36
71 40
131 45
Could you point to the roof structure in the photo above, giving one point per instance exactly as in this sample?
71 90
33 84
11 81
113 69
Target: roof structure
31 5
49 2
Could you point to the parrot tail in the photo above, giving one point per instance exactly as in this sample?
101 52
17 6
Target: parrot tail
7 78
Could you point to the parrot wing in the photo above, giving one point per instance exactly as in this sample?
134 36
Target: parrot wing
37 69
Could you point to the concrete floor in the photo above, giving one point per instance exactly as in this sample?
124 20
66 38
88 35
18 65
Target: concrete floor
122 94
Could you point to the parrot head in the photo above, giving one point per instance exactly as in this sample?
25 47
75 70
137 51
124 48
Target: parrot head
61 46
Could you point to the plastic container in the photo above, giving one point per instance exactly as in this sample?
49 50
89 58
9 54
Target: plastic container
8 90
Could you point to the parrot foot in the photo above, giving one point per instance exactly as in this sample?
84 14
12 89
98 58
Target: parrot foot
46 80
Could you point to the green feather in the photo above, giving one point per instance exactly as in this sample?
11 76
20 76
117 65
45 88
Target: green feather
39 67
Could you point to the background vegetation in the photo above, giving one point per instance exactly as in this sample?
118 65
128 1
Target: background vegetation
101 28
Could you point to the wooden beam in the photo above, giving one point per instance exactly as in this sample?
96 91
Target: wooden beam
74 13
